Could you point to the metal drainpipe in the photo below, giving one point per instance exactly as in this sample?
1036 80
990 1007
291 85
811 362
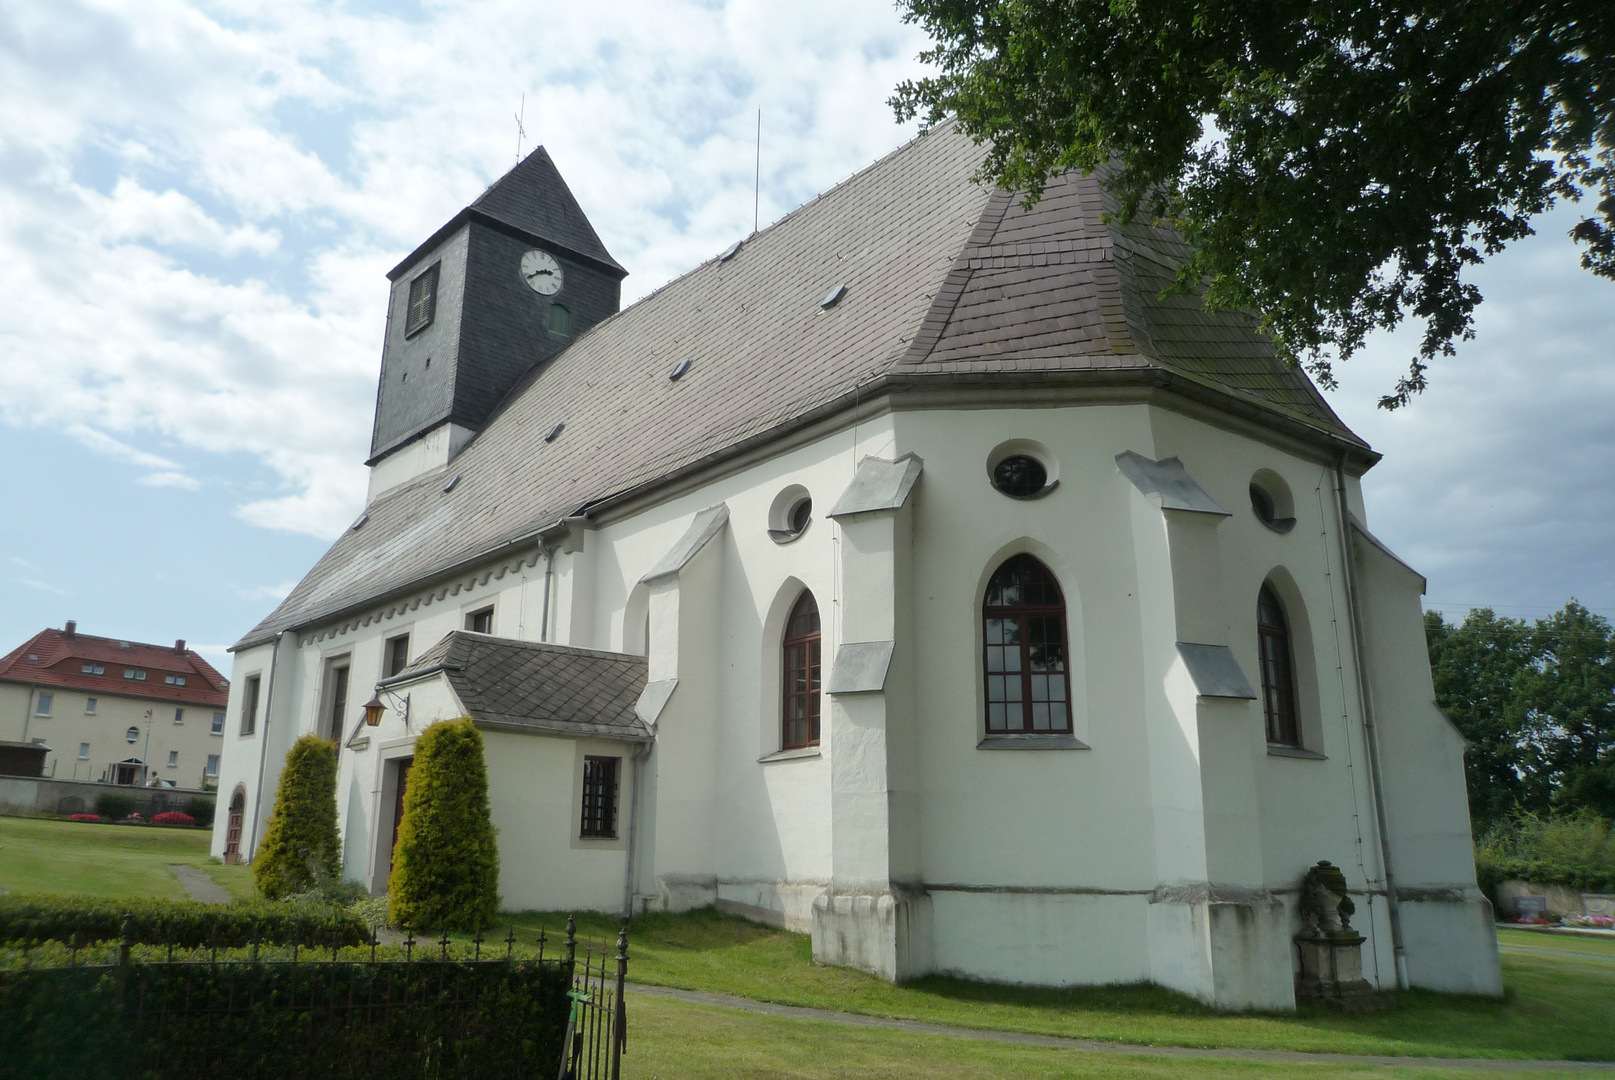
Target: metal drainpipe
549 568
633 828
1370 728
263 748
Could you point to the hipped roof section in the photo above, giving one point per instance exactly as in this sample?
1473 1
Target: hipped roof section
947 280
528 686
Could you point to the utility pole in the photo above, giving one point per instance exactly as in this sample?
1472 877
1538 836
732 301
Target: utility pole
145 755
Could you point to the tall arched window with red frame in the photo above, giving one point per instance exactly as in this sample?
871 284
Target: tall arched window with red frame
1024 641
800 655
1278 670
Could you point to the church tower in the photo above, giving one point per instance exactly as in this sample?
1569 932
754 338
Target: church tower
506 284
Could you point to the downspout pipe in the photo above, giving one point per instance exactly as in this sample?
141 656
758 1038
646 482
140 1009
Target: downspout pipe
549 571
1370 728
263 747
640 753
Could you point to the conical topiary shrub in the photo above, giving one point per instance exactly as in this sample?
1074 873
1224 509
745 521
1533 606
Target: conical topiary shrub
446 866
301 850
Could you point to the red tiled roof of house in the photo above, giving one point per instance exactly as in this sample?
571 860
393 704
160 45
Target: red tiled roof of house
58 658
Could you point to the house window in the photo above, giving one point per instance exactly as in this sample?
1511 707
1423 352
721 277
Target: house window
212 765
84 751
179 716
132 735
173 759
1278 670
422 301
89 706
1023 634
136 674
218 724
174 680
397 658
800 651
42 704
94 669
249 705
336 701
600 797
480 622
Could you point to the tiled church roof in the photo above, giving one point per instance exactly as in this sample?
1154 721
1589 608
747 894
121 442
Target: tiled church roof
945 281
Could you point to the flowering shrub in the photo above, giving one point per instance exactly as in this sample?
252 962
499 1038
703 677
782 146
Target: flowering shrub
172 817
1590 922
85 817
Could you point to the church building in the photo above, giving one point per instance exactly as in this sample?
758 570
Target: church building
912 573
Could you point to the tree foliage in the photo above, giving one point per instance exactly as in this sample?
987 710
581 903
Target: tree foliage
446 865
301 850
1338 164
1536 701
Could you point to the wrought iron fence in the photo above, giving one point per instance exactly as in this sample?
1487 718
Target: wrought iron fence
421 1010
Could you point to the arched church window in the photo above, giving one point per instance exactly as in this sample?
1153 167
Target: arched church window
1278 670
800 649
1025 663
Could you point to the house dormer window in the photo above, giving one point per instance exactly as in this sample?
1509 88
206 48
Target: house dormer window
422 301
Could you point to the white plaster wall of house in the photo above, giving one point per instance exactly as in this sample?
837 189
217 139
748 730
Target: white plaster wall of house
253 761
69 723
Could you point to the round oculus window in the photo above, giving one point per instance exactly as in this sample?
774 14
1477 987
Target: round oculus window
800 515
1020 476
132 735
1262 503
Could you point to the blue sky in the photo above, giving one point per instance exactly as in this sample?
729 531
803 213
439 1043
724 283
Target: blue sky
198 203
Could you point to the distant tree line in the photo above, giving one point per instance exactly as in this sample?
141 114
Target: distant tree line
1536 701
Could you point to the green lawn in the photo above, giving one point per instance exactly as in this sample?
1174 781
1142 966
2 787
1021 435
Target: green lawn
39 855
1558 1004
672 1040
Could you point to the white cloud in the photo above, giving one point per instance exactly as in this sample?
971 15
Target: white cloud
43 586
170 479
198 202
275 593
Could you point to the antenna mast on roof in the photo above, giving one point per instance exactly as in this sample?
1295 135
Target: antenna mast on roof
757 180
520 131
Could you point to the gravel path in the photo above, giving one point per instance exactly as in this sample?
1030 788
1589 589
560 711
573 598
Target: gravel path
200 886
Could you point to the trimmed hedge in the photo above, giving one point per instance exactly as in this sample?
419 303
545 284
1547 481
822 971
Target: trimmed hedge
270 1021
1575 849
446 867
301 849
183 923
114 806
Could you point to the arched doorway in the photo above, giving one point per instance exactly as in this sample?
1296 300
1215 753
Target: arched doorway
232 831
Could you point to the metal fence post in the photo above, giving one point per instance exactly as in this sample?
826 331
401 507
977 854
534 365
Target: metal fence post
619 1022
124 946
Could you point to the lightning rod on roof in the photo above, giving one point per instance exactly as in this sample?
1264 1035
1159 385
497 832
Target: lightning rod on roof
521 132
757 180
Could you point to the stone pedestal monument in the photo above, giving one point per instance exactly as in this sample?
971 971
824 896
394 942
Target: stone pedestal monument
1331 951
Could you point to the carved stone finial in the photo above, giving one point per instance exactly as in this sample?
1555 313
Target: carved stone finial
1326 906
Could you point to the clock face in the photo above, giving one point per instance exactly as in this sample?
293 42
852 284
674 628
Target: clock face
541 272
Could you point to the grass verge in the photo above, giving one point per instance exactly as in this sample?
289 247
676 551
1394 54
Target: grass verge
46 856
674 1040
1556 1007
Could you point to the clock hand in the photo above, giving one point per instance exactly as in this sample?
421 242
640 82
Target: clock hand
535 273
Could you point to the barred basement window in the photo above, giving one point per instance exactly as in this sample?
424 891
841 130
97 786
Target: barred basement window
422 301
600 797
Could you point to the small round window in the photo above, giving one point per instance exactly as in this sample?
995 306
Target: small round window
1020 476
1271 501
790 515
132 735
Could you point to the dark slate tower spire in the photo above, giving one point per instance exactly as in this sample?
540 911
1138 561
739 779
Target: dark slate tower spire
503 286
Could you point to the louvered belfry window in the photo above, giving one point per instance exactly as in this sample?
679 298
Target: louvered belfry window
600 797
422 301
1278 670
801 675
1023 635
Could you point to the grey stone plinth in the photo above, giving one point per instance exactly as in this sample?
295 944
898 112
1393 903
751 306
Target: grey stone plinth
1332 972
